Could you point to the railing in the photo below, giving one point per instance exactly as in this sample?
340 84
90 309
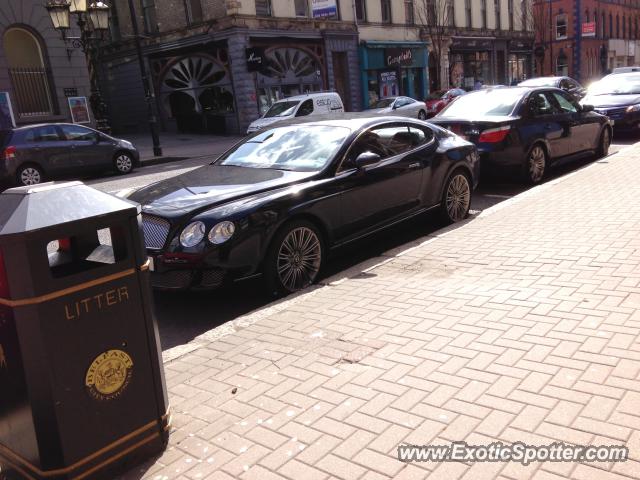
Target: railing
31 91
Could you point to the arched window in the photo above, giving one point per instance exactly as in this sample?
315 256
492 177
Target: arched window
29 75
617 26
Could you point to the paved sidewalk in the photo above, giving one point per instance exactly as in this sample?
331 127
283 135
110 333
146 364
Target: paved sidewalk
179 146
523 324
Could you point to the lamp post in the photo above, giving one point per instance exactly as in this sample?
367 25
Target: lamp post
92 20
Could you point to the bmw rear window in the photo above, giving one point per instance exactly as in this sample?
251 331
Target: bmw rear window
492 103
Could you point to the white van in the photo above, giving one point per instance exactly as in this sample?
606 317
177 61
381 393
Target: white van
325 103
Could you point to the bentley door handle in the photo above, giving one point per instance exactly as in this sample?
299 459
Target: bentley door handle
414 165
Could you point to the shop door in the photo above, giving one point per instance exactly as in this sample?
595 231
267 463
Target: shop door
340 78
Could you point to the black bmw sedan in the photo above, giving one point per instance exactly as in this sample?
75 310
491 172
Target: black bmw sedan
618 97
526 130
279 201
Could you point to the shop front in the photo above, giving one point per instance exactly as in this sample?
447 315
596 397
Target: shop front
393 68
471 62
520 61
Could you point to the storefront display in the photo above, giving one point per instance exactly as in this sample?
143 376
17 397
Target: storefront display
393 68
472 62
519 61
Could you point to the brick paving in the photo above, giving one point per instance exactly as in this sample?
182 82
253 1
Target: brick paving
520 325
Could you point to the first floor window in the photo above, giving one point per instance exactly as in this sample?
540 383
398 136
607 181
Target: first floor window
467 9
483 13
561 26
194 11
510 7
562 66
386 10
361 13
301 8
408 12
496 7
263 8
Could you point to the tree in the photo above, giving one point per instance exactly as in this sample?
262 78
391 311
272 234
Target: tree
437 19
536 14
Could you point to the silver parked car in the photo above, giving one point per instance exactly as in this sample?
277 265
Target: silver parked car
403 106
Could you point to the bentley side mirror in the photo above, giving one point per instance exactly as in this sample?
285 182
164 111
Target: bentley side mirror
587 108
367 158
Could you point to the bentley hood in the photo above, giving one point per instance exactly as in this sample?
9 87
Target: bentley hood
210 186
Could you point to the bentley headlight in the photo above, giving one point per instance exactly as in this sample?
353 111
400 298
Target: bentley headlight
192 234
633 108
221 232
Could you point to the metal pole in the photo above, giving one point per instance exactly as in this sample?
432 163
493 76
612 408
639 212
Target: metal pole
153 123
551 72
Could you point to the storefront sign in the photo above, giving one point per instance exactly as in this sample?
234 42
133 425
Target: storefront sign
324 8
520 46
255 59
589 29
395 57
471 44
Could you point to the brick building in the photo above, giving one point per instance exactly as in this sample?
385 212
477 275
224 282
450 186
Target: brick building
586 38
38 69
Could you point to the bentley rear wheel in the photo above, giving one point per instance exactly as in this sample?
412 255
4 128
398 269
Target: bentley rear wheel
294 258
456 198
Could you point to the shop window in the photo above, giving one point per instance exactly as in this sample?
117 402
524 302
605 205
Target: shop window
150 18
361 11
301 8
408 12
385 6
496 8
561 26
263 8
29 75
194 11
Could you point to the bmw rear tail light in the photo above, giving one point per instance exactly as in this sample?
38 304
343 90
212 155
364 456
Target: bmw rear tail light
494 135
9 153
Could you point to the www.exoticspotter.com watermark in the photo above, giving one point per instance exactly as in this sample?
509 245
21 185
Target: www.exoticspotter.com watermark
516 452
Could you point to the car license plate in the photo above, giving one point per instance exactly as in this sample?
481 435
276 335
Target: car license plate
152 265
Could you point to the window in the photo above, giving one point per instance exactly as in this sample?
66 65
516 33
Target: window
301 8
539 104
263 8
194 11
149 13
47 133
305 109
603 24
624 27
431 12
510 9
562 65
610 25
78 133
561 26
525 15
29 76
408 12
467 13
566 106
483 13
450 20
388 142
586 15
496 7
361 11
385 5
617 26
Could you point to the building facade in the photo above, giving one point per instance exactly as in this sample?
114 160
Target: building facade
38 69
585 39
217 65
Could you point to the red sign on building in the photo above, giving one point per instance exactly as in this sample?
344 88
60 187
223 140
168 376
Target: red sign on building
589 29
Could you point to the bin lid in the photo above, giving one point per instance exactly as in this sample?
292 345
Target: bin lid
25 209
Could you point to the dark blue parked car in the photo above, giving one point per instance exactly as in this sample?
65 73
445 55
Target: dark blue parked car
618 97
527 129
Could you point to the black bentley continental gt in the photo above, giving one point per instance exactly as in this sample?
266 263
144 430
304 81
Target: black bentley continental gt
279 201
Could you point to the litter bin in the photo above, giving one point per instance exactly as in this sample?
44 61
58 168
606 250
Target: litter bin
82 391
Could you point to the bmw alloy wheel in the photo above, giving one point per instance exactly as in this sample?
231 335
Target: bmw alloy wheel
536 163
30 176
299 258
123 162
458 197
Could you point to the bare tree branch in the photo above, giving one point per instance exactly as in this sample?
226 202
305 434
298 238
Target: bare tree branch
437 20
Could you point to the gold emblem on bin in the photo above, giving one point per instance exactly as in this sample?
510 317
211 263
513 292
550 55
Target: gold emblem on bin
109 375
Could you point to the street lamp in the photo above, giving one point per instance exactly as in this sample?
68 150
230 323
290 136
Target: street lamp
92 21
